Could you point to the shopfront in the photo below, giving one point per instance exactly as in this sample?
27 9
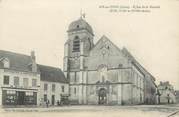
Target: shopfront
14 97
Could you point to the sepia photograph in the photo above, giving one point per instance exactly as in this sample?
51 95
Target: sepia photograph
102 58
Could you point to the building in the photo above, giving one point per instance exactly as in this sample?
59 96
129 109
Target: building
166 93
98 73
102 73
19 79
53 85
24 82
177 96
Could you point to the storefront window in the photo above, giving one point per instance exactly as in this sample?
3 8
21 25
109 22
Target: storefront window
9 97
11 92
29 93
30 98
12 97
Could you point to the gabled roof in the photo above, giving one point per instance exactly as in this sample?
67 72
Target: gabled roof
23 62
126 54
134 61
51 74
105 39
17 61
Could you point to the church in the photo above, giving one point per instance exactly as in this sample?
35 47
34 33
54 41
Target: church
93 73
102 73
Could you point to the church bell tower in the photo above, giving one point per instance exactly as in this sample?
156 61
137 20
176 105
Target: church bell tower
78 45
77 48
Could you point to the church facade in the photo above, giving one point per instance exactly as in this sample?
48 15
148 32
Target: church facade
102 73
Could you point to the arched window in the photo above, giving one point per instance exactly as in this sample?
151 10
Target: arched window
76 44
102 69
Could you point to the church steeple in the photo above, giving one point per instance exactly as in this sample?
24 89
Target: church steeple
77 48
79 32
80 24
79 43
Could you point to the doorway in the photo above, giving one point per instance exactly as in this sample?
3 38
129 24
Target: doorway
102 96
20 97
53 99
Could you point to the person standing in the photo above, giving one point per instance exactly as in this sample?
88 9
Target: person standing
47 103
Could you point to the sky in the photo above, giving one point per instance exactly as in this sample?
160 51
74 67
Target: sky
41 25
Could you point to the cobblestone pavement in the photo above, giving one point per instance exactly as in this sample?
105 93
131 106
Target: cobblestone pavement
92 111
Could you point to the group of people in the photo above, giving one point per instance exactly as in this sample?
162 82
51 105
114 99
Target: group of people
47 103
63 101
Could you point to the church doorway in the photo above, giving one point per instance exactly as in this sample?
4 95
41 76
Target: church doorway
102 96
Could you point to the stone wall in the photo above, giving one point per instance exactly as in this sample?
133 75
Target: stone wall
124 86
149 90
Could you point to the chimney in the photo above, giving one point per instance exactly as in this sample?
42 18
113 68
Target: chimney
33 55
34 65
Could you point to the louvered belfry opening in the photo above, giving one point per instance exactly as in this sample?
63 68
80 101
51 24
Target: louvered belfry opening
76 44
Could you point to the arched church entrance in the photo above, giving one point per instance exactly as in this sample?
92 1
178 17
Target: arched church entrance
102 96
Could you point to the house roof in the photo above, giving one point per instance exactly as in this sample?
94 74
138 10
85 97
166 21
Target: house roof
23 62
165 84
17 61
51 74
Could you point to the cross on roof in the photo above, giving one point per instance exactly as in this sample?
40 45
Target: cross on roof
82 15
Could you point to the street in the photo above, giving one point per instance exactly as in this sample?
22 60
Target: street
95 111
